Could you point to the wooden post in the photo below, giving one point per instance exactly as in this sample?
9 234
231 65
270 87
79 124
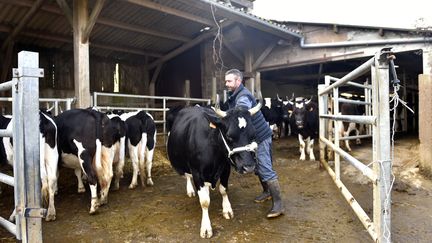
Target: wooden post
81 54
425 119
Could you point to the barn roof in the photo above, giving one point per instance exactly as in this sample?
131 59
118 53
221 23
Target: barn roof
128 29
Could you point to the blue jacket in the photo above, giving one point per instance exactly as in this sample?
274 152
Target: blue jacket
243 97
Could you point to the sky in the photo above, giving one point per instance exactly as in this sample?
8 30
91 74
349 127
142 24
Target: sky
381 13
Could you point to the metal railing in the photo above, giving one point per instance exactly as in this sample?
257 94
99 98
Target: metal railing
26 180
54 104
378 118
146 101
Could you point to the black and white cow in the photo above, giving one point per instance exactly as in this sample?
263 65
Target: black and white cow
305 123
120 130
201 146
48 158
141 142
86 144
275 114
347 127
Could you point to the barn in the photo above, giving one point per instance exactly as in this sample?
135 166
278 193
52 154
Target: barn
152 54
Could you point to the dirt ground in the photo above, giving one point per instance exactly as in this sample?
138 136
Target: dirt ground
315 209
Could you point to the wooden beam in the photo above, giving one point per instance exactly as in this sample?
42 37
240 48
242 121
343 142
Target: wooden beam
22 23
171 11
92 20
263 55
188 45
7 61
66 10
51 8
234 51
142 30
68 39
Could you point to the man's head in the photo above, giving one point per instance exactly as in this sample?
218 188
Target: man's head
233 79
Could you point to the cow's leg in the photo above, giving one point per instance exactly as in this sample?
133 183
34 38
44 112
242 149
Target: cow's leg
189 188
105 173
142 150
227 211
204 197
149 164
310 149
86 161
357 129
51 163
120 153
302 147
133 153
78 174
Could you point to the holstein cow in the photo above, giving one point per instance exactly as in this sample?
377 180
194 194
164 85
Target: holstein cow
347 127
275 114
48 158
141 142
85 141
119 129
305 123
201 146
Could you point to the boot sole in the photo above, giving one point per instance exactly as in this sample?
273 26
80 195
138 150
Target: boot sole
274 215
263 200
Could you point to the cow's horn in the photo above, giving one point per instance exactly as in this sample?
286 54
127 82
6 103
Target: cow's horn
217 109
308 101
279 99
256 108
291 101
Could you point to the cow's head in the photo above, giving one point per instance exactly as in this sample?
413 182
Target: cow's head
238 134
300 107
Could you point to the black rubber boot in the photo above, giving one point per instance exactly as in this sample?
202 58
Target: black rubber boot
277 206
265 195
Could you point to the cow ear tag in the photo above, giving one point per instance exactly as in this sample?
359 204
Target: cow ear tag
212 125
311 109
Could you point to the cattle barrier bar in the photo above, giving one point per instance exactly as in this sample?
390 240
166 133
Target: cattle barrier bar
51 103
150 100
379 227
26 179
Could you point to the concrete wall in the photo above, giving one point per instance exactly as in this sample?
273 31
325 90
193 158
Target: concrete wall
425 121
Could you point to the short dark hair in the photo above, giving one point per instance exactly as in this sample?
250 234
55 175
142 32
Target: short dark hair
236 72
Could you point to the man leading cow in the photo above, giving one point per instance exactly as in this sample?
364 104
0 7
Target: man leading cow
239 96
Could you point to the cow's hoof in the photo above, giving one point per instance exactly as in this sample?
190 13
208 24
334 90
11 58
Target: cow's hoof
312 159
103 201
191 194
302 157
228 214
50 217
132 186
206 232
81 190
150 182
94 209
115 187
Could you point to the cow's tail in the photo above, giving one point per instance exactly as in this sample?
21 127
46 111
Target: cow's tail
98 153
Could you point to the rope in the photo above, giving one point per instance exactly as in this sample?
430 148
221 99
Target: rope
217 48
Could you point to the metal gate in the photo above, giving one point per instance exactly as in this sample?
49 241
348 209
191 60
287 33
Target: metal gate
379 226
26 180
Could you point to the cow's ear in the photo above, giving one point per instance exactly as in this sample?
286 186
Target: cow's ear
213 118
310 107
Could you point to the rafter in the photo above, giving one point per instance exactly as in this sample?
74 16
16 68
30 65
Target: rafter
68 39
92 20
263 55
22 23
172 11
51 8
66 10
188 45
140 29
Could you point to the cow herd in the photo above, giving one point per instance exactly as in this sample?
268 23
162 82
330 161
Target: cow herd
93 144
203 143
